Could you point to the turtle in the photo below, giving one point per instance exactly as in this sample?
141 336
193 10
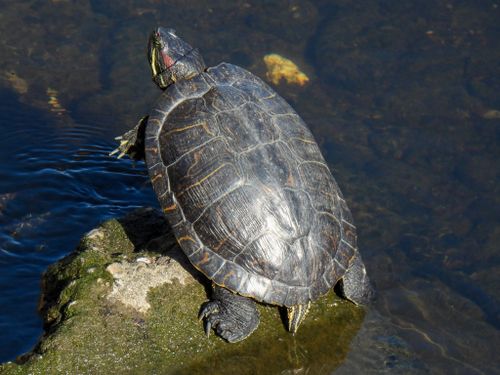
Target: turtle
246 191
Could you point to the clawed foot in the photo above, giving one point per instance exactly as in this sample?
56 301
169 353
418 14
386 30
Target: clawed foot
231 316
126 144
132 142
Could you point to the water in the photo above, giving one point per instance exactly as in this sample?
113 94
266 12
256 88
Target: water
403 100
57 183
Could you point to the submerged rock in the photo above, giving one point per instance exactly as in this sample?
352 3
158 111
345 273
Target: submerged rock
280 68
127 300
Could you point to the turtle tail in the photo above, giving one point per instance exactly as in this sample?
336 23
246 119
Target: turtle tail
296 315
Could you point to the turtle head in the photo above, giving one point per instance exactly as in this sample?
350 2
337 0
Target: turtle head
172 59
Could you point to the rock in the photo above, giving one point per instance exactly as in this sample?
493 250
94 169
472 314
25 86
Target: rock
133 280
126 301
491 114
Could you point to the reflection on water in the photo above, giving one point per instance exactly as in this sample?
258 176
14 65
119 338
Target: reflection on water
403 99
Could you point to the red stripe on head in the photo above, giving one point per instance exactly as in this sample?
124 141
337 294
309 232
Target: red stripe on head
167 60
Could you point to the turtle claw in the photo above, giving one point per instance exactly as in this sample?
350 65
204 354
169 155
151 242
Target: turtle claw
232 317
208 326
126 147
132 142
208 308
209 313
123 149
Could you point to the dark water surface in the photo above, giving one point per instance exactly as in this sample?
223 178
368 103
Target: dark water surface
403 99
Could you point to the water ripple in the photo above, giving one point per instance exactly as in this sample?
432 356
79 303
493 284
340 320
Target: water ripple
58 183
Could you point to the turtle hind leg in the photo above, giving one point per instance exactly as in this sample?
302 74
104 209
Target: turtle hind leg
132 142
295 315
355 284
232 317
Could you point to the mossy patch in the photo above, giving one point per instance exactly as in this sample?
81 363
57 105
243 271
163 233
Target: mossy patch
87 333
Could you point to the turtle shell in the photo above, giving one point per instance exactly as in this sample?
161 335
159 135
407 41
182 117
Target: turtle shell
246 190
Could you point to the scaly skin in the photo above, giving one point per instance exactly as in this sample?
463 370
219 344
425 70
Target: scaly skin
132 142
233 317
355 285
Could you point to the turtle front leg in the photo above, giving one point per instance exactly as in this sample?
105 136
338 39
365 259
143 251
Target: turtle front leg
132 142
233 317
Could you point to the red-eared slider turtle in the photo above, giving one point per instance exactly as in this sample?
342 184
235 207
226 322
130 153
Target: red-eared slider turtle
246 190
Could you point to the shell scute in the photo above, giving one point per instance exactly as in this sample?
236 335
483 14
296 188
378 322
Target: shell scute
253 204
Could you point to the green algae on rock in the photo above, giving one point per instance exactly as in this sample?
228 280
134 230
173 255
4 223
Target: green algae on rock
91 329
